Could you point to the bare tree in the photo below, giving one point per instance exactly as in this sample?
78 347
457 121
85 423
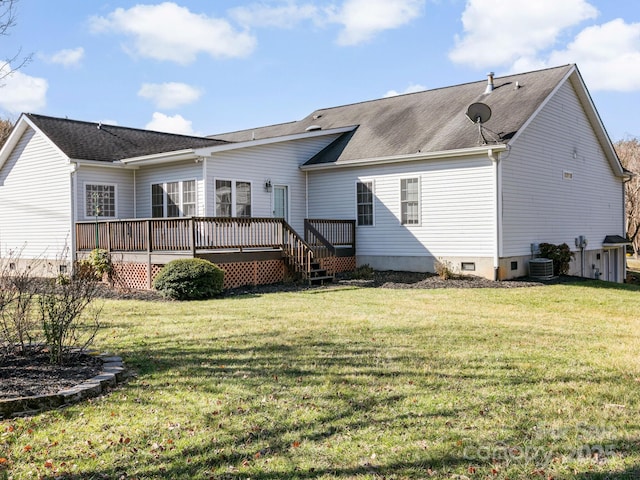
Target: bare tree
7 21
6 126
629 153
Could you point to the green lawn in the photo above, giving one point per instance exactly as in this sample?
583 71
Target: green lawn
537 382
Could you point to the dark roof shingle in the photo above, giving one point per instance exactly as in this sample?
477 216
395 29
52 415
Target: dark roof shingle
108 143
428 121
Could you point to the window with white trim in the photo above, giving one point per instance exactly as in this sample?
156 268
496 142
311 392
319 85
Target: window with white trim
364 203
173 199
410 201
233 198
100 200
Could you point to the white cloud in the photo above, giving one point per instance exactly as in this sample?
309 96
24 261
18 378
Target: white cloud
499 32
21 92
67 57
362 19
285 15
175 124
169 32
169 95
412 88
607 55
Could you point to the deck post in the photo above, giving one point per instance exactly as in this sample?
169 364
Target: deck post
109 237
149 279
193 237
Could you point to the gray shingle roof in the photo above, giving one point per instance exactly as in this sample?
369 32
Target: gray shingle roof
85 141
429 121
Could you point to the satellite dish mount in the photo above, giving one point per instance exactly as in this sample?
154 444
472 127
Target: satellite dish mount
479 113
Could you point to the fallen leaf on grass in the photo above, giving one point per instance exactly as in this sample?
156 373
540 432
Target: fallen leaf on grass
27 448
295 444
48 464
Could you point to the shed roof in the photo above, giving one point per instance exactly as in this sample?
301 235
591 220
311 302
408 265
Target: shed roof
108 143
428 121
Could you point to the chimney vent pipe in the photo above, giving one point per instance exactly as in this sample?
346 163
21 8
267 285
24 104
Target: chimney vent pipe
490 87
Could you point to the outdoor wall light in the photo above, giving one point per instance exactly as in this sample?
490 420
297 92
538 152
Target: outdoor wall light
267 185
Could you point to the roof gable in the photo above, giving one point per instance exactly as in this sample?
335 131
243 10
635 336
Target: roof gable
429 121
109 143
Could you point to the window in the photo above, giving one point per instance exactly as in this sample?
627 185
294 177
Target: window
364 202
409 201
173 199
468 266
514 265
100 200
233 198
243 199
223 198
189 198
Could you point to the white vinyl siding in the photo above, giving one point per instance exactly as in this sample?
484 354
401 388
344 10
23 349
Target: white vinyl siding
35 200
456 199
540 204
277 162
120 178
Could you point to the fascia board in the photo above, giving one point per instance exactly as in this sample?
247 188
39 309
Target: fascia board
463 152
18 130
208 151
97 163
164 157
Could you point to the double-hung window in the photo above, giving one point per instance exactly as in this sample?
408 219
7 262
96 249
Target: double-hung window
173 199
233 198
100 200
364 203
410 201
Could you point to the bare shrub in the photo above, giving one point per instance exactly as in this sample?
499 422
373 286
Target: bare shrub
67 322
18 290
445 269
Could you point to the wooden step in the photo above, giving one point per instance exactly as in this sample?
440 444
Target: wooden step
320 280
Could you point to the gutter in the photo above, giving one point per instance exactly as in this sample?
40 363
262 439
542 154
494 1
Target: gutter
99 163
462 152
166 157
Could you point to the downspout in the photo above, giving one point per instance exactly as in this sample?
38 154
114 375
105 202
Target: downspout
306 194
495 163
205 182
135 196
73 168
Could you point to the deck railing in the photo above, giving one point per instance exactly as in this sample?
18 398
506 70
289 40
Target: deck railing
339 233
195 234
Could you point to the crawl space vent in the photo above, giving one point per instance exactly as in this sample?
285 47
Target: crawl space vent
541 268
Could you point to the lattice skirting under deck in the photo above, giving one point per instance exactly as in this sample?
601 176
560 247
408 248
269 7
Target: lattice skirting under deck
339 264
259 272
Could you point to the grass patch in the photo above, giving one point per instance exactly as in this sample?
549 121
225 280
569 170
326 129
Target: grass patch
357 383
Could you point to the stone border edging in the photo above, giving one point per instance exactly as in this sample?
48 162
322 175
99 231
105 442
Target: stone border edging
113 372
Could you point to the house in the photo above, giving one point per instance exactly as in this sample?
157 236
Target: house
475 175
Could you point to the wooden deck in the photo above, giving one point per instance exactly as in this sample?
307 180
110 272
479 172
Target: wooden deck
205 235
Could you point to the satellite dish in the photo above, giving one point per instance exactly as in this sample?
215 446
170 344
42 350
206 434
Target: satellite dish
479 113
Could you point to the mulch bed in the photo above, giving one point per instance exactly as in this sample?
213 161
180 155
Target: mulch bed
33 375
26 376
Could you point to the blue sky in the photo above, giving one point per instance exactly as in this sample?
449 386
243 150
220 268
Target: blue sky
204 67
